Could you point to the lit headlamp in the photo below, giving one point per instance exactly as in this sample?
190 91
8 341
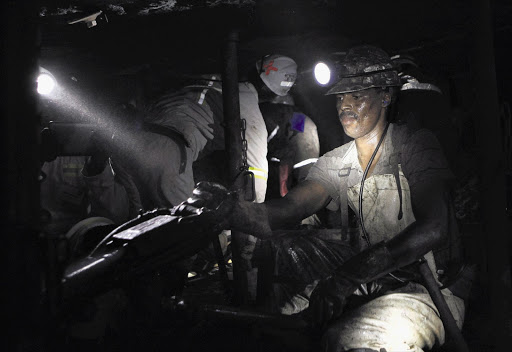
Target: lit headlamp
46 82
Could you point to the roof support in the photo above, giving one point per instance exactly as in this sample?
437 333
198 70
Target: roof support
233 142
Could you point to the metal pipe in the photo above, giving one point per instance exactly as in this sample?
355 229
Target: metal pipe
233 145
449 324
230 314
231 104
251 316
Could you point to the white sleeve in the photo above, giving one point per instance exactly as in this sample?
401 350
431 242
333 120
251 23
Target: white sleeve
256 135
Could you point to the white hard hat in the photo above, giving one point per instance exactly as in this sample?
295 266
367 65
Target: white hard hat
278 72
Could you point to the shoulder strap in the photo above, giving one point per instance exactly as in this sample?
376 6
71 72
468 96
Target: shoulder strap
343 174
398 138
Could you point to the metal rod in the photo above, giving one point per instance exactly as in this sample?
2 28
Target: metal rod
233 143
446 316
231 104
243 316
223 272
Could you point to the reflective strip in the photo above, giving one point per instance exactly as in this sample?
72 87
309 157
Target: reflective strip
286 84
305 162
275 159
273 134
203 93
259 173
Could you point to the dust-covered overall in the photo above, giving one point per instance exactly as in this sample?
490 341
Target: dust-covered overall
391 314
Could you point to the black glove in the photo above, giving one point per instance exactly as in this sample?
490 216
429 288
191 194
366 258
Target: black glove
251 218
329 297
208 197
230 211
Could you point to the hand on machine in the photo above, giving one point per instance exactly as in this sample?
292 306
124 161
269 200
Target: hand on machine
329 298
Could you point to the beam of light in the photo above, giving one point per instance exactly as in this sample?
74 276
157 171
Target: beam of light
113 130
45 83
322 73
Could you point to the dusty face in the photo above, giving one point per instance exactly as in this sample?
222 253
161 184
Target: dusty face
360 112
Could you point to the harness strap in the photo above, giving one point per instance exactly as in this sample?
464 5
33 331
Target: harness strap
394 161
175 136
343 174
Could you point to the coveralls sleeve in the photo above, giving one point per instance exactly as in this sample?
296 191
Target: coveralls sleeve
325 173
423 160
256 135
428 175
307 149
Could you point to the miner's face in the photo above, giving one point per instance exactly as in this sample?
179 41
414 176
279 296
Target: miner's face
359 112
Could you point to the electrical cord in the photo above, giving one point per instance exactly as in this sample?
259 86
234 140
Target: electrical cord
367 169
361 189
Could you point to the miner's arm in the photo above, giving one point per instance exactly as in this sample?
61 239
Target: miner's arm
430 202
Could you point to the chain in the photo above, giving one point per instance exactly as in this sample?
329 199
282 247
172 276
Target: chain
244 166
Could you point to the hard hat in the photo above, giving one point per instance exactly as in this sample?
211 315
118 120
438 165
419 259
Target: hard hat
365 67
278 72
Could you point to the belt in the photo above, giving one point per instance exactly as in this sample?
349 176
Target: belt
175 136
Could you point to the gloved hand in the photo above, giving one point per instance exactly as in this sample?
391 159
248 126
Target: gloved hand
329 297
251 218
230 211
208 197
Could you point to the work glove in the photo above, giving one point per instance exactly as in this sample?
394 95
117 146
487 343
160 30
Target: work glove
209 197
230 210
329 297
251 218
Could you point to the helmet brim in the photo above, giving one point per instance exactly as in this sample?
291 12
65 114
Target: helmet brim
358 83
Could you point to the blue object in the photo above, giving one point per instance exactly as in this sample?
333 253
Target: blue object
297 121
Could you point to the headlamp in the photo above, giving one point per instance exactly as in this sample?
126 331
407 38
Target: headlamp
322 73
326 70
46 82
